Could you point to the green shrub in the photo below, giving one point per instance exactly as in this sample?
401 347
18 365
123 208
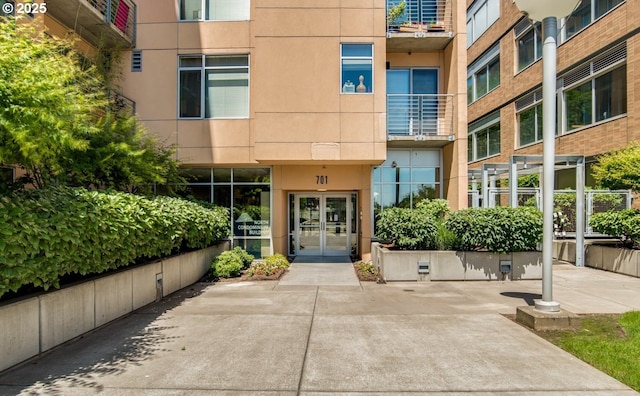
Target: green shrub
623 224
49 233
410 229
501 229
437 208
246 258
227 265
269 266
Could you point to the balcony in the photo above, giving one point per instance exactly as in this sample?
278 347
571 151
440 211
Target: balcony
420 118
103 23
421 25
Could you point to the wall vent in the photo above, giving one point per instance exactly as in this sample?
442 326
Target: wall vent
136 60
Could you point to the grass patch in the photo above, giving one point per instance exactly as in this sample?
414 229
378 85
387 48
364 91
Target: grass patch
610 343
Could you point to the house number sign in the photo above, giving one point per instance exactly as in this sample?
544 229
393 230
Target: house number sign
322 179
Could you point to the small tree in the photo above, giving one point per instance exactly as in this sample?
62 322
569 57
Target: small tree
619 170
59 123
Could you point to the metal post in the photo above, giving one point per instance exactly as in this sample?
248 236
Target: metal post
513 182
580 223
485 188
549 30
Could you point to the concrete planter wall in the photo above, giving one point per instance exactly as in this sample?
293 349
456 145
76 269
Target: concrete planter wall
37 324
402 265
614 259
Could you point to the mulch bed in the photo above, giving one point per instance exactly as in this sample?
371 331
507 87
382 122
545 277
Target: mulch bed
364 276
243 278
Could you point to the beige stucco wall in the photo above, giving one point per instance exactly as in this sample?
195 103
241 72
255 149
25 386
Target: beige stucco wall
288 179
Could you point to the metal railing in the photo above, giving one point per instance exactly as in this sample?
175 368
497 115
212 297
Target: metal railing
434 16
119 13
596 201
416 115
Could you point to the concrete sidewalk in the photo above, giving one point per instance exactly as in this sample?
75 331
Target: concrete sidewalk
270 338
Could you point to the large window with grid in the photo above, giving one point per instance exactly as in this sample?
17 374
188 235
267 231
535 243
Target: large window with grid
405 178
596 91
483 75
246 192
214 10
213 86
484 138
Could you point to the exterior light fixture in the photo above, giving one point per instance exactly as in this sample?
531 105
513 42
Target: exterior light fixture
548 12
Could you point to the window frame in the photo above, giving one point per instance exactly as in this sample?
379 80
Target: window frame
537 44
204 6
484 63
354 57
203 68
588 75
535 99
477 127
472 13
592 19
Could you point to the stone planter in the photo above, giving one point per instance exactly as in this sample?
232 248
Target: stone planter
37 324
435 265
614 259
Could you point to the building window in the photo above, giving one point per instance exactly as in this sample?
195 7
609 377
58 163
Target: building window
586 13
246 192
596 91
480 16
528 43
484 138
217 84
405 178
529 116
356 68
214 10
483 76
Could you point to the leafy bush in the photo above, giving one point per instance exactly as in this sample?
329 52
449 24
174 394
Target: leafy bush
48 233
269 266
227 265
246 258
501 229
624 224
438 208
411 229
619 170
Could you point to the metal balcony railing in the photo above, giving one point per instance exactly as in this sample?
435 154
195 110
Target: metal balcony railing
419 115
421 16
119 13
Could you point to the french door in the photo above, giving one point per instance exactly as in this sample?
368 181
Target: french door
322 224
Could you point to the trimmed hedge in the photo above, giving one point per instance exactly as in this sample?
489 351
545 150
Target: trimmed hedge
410 229
48 233
623 224
501 230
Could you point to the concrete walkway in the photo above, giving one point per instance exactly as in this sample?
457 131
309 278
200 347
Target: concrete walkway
274 338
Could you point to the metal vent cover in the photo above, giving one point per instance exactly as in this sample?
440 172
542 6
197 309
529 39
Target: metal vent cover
136 60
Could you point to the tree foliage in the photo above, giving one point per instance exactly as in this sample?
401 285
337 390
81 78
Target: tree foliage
619 170
57 120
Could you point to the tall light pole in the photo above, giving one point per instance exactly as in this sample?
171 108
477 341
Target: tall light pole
548 12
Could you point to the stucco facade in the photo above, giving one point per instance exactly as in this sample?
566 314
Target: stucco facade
311 131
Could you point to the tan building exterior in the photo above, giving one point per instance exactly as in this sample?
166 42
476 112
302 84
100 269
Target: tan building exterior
597 62
283 111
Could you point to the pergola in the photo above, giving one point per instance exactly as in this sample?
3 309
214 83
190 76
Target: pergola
489 172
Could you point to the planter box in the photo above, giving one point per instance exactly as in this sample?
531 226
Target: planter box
614 259
403 265
39 323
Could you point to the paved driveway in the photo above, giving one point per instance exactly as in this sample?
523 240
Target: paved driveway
289 338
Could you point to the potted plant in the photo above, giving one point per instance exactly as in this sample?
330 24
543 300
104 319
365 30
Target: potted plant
393 14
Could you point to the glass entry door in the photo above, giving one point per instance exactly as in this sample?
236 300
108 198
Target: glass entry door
322 226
